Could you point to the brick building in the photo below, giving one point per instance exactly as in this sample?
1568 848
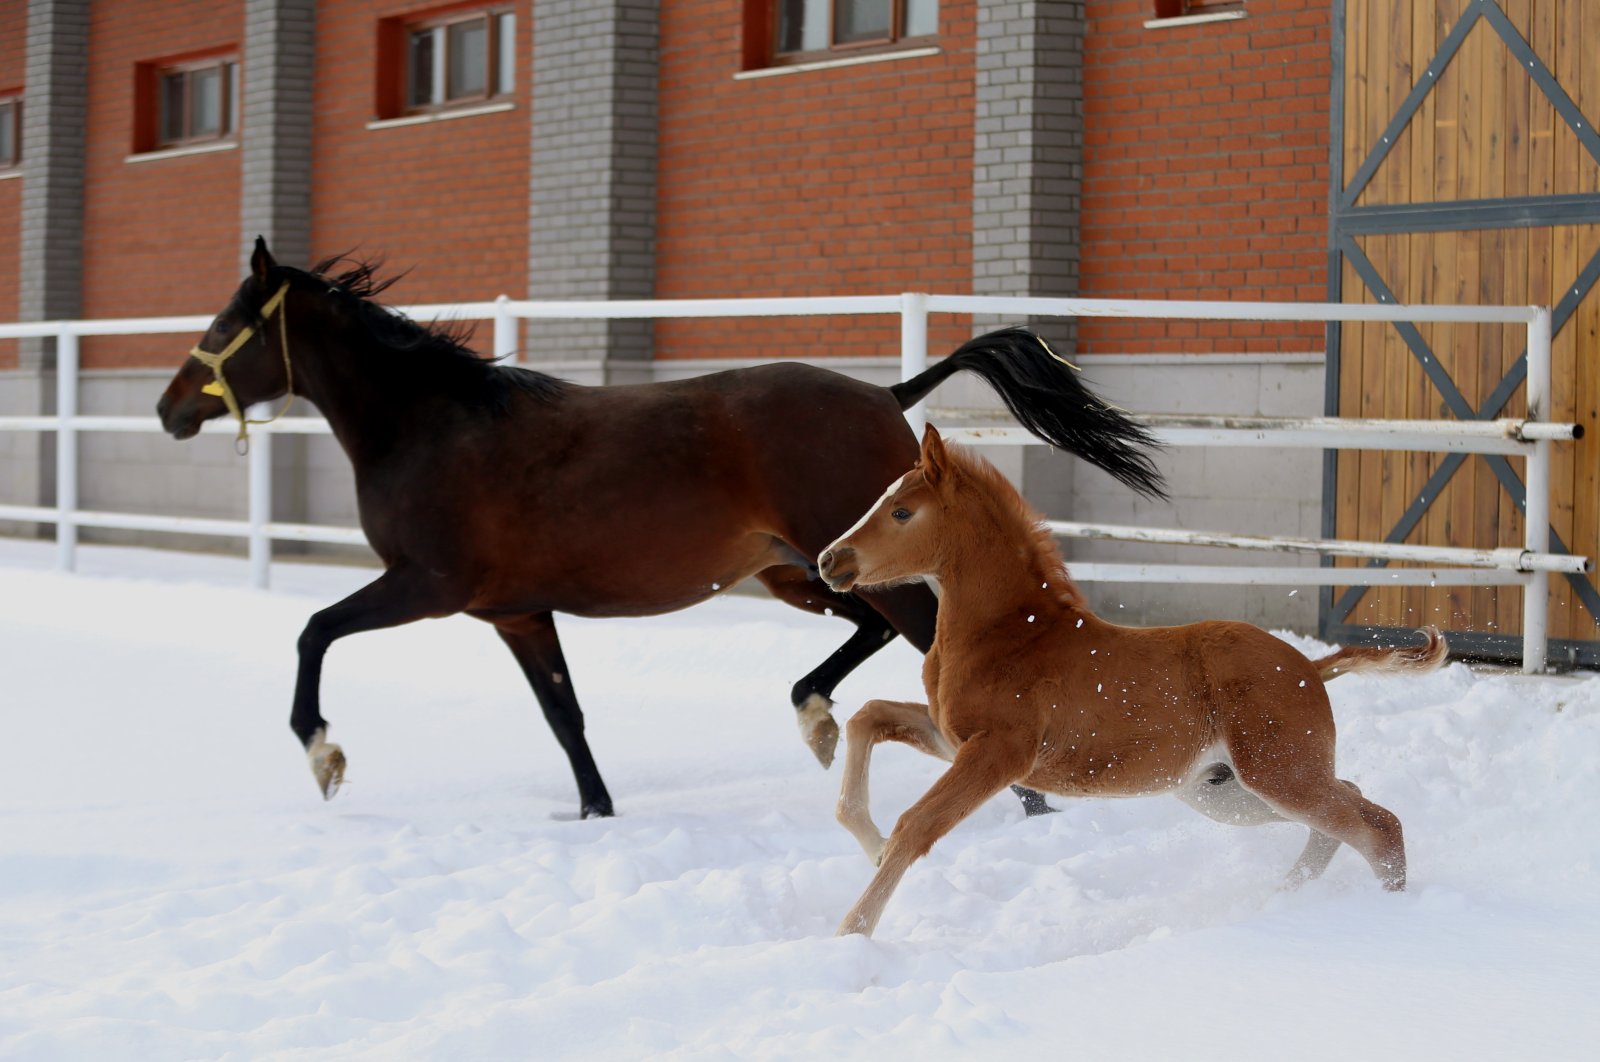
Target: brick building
630 148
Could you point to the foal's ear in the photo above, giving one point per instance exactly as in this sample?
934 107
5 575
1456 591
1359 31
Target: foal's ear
261 262
934 458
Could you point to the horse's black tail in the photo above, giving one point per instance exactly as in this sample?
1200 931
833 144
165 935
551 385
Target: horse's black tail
1045 395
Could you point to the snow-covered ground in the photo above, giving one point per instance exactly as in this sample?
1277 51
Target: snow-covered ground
172 886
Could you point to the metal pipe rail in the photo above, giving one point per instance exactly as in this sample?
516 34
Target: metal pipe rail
1261 575
1506 558
1530 438
1503 428
1509 437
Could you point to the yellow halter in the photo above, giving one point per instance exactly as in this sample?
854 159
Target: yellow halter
219 385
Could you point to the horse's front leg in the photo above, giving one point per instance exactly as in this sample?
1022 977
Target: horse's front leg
812 696
532 640
880 721
400 595
986 763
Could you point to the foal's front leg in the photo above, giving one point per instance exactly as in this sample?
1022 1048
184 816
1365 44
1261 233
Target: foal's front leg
986 763
880 721
400 595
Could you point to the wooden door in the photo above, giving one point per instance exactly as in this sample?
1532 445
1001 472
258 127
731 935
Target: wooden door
1465 169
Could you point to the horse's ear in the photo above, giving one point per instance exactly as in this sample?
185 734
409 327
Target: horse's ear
934 458
261 262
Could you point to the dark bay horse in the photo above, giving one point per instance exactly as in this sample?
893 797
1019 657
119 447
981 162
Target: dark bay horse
1026 685
510 495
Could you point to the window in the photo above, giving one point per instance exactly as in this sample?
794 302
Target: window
188 103
10 132
459 59
809 26
1192 8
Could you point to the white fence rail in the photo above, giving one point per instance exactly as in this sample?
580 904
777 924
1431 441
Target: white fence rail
1529 566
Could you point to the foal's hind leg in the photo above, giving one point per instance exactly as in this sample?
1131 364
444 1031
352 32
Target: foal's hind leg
1318 853
880 721
532 640
1300 786
1314 859
400 595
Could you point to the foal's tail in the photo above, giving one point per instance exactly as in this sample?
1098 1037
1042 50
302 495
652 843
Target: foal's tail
1414 659
1045 395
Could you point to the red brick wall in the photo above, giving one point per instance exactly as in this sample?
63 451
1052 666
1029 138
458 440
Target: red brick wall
447 200
848 181
1206 170
13 57
1205 177
160 237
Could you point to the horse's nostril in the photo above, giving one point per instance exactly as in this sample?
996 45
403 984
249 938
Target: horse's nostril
834 559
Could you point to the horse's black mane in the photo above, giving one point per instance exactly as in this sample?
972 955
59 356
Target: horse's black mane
435 354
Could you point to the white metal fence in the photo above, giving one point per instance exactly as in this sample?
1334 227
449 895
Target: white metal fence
1530 566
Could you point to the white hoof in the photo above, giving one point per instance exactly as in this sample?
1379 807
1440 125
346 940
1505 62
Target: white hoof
327 764
817 728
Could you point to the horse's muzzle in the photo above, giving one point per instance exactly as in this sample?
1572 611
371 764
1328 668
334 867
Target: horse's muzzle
179 419
836 566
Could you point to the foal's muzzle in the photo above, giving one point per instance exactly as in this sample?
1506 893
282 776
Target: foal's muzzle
837 568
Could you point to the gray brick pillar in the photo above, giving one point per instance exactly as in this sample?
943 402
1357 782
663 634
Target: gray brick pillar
50 257
1027 147
50 248
592 187
1027 181
275 186
275 129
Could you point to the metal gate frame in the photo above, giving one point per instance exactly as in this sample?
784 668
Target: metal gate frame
1346 221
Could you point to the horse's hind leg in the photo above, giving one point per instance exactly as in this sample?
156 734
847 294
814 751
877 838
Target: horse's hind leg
400 595
1314 858
1301 789
1318 852
880 721
1369 828
532 640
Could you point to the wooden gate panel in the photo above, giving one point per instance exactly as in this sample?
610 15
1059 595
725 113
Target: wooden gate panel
1380 377
1465 170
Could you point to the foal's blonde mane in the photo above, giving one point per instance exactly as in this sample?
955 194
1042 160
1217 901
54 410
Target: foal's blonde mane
1020 520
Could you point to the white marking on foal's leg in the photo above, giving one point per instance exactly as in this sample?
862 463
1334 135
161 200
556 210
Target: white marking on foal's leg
857 819
327 763
817 728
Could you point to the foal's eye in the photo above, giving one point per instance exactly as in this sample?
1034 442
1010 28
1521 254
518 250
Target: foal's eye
901 515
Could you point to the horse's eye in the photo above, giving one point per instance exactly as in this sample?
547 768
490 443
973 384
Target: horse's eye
901 515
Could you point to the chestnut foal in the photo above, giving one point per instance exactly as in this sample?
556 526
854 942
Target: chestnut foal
1026 685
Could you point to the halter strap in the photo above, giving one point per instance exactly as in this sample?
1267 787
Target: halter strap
219 384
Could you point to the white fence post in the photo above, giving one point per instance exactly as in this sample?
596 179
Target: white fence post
66 450
259 512
505 328
914 349
1536 591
